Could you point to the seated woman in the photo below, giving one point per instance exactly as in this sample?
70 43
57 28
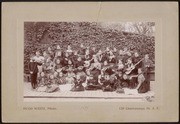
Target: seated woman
70 76
80 68
119 82
61 79
95 68
78 84
92 83
120 65
87 56
57 65
52 85
48 67
100 56
101 78
74 58
125 81
143 85
106 84
42 83
111 59
129 70
69 50
113 79
65 59
58 52
50 52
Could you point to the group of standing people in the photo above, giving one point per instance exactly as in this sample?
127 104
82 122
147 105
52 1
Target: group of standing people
90 69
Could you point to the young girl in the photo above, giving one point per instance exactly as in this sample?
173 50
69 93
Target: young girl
107 84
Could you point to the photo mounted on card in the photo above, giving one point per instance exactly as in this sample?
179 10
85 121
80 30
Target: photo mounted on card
101 60
89 60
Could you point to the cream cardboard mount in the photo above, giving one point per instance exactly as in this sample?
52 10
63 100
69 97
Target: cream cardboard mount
165 108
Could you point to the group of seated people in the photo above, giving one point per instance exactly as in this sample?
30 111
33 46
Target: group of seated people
90 69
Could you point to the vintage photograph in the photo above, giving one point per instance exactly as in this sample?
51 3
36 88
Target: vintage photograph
89 60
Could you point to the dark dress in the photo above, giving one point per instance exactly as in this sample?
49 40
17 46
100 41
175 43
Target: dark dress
132 82
92 84
34 69
145 87
107 86
119 84
78 85
112 61
125 83
74 59
95 72
146 69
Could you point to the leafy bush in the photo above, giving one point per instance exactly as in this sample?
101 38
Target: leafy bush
41 35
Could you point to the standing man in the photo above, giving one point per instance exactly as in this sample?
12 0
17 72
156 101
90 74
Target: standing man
33 71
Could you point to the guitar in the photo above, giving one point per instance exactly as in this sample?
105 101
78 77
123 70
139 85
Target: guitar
129 70
60 69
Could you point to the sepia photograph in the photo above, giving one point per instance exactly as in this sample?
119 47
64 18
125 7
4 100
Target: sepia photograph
89 60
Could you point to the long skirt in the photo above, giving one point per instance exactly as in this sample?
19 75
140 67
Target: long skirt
78 88
145 87
93 87
52 88
107 88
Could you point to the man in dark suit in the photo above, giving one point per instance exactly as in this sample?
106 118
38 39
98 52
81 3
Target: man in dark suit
33 71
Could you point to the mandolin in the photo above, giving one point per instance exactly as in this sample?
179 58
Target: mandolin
129 70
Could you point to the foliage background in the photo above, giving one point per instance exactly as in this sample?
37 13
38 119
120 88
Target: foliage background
135 36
